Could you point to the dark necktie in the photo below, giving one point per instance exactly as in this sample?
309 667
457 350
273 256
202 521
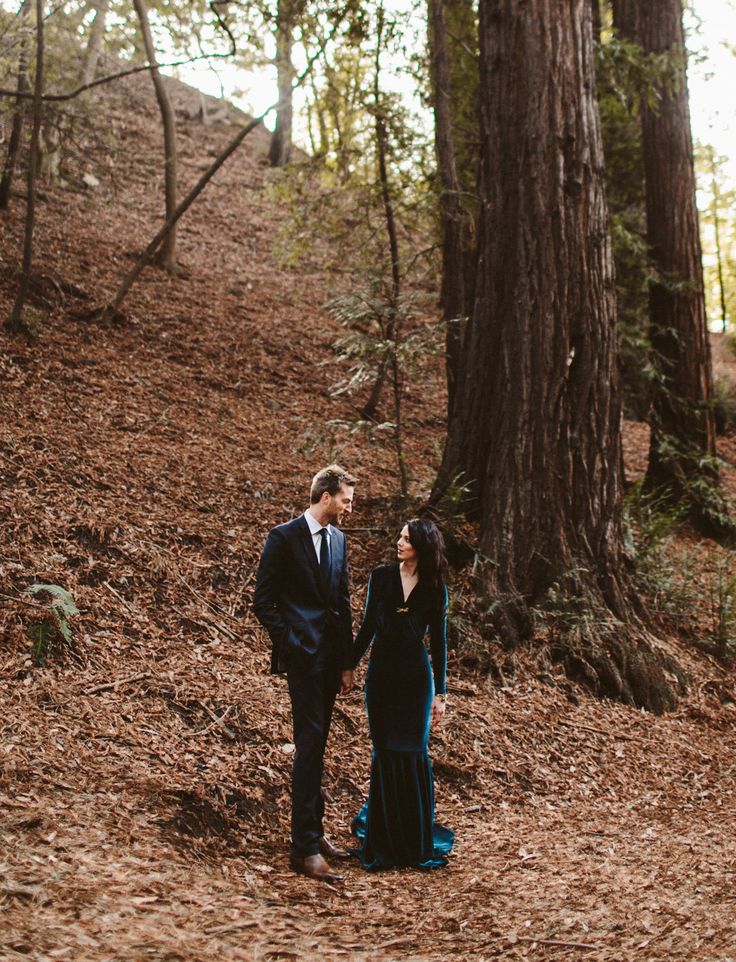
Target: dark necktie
324 557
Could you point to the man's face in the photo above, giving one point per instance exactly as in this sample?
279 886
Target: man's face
338 505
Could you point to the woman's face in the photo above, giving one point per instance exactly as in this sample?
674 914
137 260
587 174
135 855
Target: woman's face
404 548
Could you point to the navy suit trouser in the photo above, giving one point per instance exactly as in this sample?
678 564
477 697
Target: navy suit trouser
313 691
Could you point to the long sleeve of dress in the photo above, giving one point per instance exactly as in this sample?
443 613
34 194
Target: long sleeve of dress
346 618
367 628
438 644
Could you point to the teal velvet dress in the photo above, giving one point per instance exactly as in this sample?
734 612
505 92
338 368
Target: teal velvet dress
396 825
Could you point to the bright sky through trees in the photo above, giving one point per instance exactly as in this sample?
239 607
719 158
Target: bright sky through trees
711 77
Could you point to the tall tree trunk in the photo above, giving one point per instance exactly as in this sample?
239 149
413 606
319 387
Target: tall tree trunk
535 433
15 321
595 9
454 219
22 86
166 257
626 19
683 443
280 150
462 34
94 44
391 332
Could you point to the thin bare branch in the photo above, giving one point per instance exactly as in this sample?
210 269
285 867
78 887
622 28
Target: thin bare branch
56 98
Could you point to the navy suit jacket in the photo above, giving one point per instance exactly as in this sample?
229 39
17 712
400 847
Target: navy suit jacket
291 602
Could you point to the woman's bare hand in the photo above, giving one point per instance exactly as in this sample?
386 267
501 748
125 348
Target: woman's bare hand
439 707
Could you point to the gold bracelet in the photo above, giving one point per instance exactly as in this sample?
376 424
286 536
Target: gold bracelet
443 698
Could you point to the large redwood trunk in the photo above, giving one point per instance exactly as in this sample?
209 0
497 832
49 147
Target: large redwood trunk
683 443
679 331
535 433
456 219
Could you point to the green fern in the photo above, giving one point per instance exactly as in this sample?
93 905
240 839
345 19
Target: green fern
51 621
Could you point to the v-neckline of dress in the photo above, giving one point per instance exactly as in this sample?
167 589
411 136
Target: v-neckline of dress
401 586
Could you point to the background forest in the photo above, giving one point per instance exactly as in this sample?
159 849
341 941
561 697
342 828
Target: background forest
460 252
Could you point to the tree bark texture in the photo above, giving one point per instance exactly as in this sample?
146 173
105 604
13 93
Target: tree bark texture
167 255
454 217
683 427
280 149
15 321
535 433
94 44
16 132
391 332
595 10
626 18
679 330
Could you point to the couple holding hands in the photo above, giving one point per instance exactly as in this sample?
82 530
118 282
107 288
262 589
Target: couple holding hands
302 599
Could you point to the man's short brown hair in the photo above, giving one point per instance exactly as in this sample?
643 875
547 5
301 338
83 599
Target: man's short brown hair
329 479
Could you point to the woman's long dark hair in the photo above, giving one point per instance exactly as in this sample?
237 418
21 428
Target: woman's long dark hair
426 539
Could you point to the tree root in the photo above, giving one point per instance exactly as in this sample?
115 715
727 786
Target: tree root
630 668
612 658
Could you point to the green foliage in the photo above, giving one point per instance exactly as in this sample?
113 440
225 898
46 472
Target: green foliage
50 622
651 526
649 522
724 404
377 331
384 339
335 215
626 79
723 608
186 29
671 578
462 29
455 498
618 81
335 200
77 134
330 438
32 321
696 473
717 217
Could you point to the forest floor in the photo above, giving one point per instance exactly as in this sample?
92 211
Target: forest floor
144 775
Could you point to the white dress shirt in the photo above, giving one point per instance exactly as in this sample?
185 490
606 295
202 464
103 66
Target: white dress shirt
315 527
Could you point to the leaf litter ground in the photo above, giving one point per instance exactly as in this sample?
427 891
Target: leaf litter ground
144 776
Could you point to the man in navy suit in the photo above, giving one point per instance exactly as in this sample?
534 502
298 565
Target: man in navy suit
302 598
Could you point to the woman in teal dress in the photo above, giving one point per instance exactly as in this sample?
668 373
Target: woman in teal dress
404 696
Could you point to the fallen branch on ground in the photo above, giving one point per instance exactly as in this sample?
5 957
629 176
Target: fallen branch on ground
115 684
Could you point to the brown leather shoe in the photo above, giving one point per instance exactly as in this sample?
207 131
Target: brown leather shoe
314 866
329 850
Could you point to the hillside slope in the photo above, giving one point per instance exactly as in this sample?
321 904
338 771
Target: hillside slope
144 776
